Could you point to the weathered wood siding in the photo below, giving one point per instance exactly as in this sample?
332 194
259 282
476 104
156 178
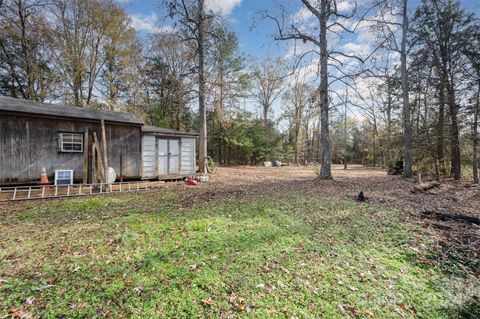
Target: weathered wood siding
29 143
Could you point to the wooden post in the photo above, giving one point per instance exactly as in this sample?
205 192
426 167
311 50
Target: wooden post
121 165
105 155
93 167
99 165
85 157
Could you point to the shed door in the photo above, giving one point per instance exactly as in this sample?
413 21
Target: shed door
187 160
162 169
174 157
148 156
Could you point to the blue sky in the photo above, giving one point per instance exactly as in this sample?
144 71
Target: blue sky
256 36
240 15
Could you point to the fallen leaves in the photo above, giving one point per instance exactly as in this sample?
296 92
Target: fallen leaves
354 311
18 313
208 301
347 309
266 269
405 308
29 301
232 298
239 303
139 289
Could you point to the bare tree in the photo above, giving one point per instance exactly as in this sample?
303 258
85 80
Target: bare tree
297 99
330 19
407 127
369 107
393 19
269 83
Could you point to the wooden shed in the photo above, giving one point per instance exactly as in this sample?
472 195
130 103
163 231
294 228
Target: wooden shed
167 154
35 135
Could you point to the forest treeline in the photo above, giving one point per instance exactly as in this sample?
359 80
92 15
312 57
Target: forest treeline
415 97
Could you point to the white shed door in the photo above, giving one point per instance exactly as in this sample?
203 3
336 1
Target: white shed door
148 156
174 157
188 156
162 157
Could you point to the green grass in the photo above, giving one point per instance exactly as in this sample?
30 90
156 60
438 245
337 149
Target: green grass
144 256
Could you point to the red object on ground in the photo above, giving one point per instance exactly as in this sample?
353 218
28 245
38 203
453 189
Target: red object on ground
192 182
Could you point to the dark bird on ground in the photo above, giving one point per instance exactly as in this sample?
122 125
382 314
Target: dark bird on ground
361 197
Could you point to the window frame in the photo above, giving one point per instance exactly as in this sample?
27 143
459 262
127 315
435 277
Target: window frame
61 142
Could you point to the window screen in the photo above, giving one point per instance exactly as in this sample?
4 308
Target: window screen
71 142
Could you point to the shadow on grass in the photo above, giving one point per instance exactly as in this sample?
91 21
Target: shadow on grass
468 310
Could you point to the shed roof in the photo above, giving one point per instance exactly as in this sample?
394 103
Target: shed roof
148 129
10 104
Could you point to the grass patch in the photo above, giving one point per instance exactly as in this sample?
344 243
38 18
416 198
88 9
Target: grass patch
143 256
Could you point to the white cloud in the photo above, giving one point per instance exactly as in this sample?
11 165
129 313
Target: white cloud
144 22
223 6
148 23
302 15
356 48
345 5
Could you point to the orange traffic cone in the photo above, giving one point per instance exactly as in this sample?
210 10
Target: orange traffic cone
44 177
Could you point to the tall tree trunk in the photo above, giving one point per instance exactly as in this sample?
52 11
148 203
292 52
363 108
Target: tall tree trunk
440 127
407 125
77 87
30 89
297 131
306 142
316 142
202 161
454 135
265 114
345 133
389 128
326 168
374 136
475 136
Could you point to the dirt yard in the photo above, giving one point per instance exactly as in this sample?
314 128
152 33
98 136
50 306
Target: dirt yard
254 242
452 210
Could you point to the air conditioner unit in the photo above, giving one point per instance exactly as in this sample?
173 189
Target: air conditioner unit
64 177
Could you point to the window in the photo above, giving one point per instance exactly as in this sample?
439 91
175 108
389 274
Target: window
71 142
64 177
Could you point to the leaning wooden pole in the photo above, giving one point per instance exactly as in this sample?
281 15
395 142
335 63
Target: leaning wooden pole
85 157
105 156
97 157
